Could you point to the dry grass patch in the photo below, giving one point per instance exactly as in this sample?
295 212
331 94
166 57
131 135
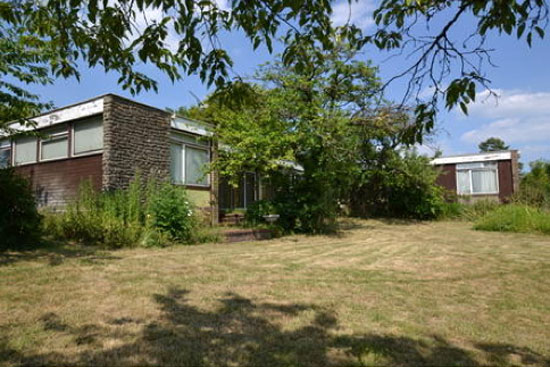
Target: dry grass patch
377 294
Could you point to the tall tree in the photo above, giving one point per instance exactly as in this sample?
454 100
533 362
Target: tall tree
305 113
493 144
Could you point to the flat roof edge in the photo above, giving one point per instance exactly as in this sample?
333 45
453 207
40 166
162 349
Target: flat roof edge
477 157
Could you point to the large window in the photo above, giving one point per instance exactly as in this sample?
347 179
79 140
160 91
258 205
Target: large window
88 136
25 150
477 178
189 157
240 197
55 144
5 153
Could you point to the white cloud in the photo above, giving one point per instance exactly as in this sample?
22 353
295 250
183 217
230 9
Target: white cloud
517 117
358 13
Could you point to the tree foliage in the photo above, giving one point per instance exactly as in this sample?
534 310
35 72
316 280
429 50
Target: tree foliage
42 40
304 113
445 59
45 39
493 145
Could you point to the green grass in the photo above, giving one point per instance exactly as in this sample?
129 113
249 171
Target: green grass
515 218
377 294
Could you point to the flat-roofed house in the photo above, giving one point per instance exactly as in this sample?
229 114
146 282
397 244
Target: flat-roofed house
107 140
490 175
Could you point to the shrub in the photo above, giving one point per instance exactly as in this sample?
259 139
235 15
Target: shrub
19 218
534 187
515 218
451 210
156 216
170 212
255 212
399 186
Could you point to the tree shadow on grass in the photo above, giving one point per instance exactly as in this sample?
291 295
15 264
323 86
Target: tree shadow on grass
247 333
54 253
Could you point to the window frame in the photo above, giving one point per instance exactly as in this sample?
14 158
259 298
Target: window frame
8 146
51 137
73 154
478 169
14 152
184 144
236 191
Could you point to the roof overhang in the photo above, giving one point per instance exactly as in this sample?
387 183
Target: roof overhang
481 157
191 126
77 111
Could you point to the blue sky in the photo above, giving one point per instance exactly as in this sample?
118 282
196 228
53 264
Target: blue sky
521 116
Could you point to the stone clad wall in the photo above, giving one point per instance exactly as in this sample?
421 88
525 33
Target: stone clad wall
135 137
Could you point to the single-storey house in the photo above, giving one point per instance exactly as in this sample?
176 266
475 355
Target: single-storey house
490 175
107 140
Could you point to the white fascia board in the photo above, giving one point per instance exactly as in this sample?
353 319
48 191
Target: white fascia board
484 157
63 115
191 126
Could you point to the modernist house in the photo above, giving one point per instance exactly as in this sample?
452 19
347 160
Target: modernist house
107 140
491 175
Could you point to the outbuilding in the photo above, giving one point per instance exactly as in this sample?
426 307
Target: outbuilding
490 175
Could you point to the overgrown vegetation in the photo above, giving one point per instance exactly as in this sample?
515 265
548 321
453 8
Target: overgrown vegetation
19 218
534 189
469 212
156 214
515 218
397 184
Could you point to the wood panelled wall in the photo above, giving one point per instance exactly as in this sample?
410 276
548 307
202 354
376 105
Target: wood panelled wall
56 181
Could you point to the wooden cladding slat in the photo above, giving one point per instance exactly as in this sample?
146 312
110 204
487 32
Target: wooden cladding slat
57 181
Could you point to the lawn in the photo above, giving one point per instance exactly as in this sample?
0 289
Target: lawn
377 294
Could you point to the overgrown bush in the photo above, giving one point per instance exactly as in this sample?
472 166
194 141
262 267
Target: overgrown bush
255 212
534 189
170 211
515 218
399 186
19 218
155 215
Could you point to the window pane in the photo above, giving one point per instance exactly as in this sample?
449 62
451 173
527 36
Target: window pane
25 150
195 161
5 158
176 163
58 130
469 165
55 148
484 181
186 138
88 136
463 182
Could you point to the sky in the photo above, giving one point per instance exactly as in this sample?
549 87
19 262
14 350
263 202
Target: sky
520 115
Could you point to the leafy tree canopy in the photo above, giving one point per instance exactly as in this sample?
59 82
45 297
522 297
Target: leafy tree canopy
493 145
45 39
41 40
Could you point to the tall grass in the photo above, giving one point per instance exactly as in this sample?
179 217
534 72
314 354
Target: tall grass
469 212
154 214
515 218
